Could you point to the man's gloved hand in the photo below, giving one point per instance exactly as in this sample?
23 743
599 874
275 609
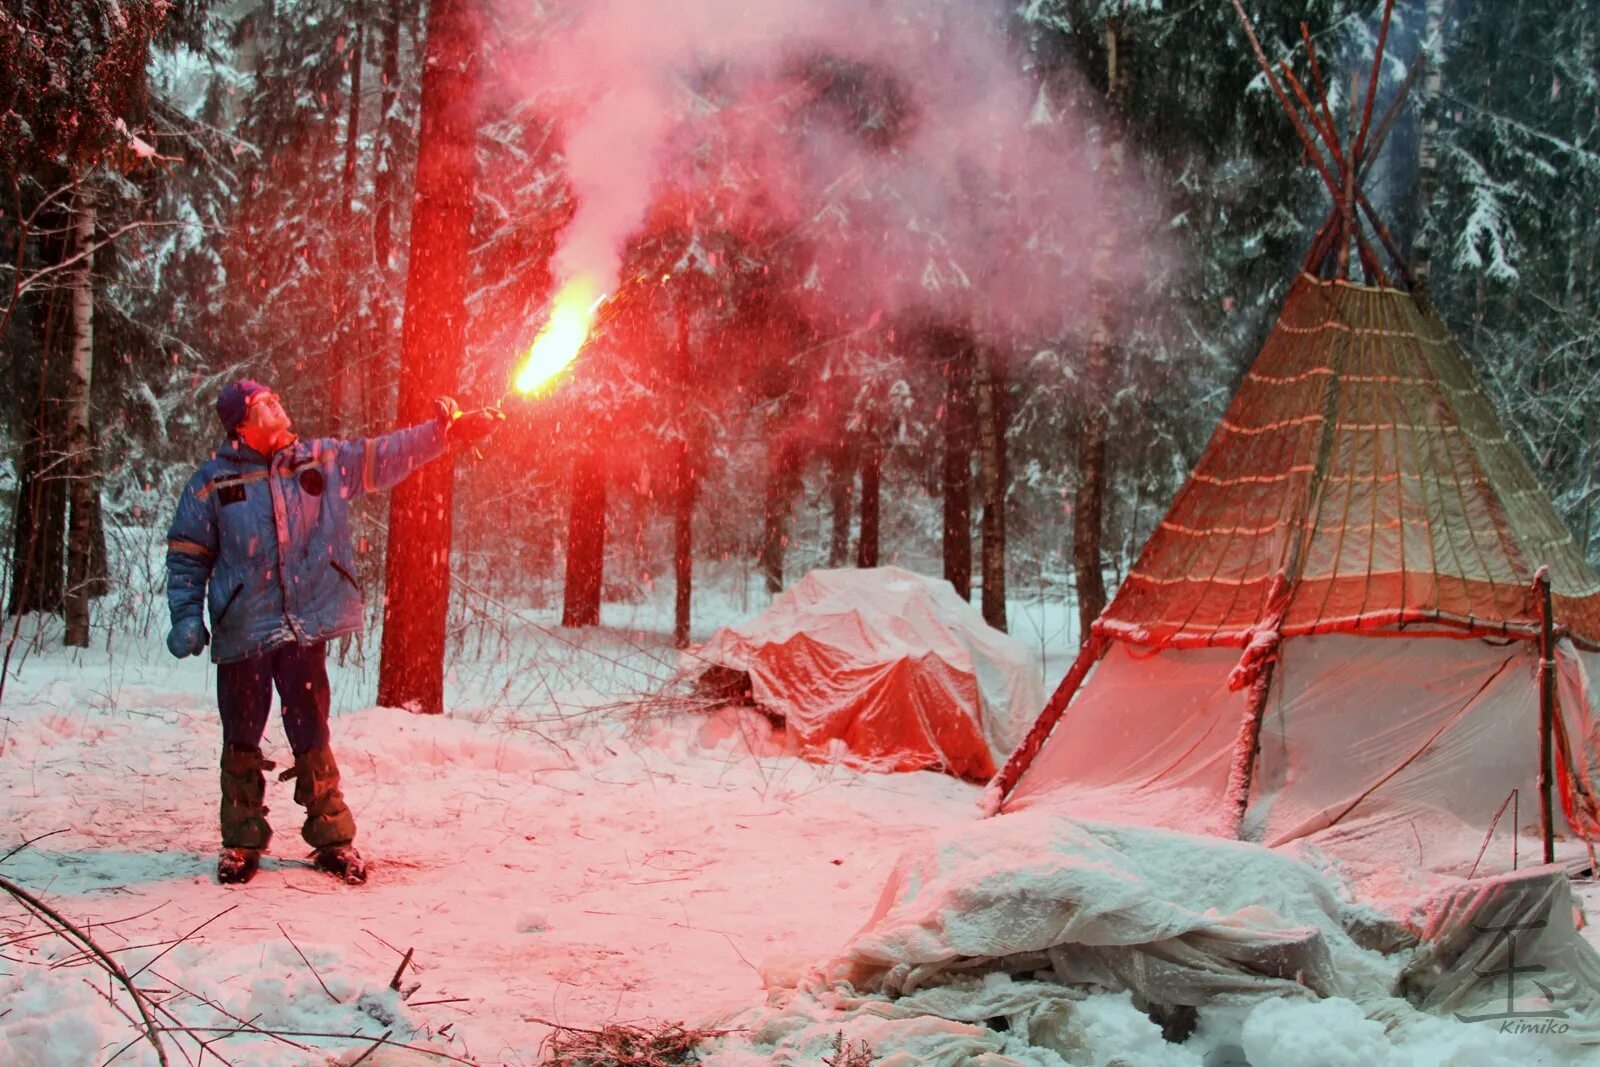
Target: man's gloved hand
470 427
188 637
446 410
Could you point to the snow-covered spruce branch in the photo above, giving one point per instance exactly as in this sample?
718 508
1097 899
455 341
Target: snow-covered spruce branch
1487 221
1589 159
32 281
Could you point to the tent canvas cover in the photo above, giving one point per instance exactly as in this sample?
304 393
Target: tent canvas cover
885 668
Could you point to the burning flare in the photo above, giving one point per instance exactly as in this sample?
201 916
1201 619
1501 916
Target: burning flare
563 337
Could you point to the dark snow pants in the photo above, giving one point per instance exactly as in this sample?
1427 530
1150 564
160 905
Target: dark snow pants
244 696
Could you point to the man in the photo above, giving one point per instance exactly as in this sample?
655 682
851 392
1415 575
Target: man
265 525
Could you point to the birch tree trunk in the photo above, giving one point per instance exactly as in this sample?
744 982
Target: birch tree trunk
84 486
383 181
347 325
990 389
417 575
1088 517
1428 104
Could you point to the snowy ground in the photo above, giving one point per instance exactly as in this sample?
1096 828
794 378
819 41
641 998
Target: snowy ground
549 853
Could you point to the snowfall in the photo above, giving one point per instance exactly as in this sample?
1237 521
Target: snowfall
565 850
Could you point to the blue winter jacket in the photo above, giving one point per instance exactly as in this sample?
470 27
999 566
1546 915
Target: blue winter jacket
272 537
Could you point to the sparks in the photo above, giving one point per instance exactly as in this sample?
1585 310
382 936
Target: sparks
563 337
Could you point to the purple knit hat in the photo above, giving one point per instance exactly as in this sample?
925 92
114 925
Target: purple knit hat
233 403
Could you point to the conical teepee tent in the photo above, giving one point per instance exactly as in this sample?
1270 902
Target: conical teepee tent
1362 621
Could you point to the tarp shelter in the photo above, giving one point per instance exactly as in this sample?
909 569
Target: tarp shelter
888 668
1335 633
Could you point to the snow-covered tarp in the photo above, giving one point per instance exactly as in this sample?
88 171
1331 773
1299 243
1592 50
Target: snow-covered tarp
894 668
1004 938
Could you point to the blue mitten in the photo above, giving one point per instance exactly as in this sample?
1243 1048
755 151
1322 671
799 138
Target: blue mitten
188 637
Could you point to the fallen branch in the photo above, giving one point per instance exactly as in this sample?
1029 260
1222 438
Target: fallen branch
325 1035
113 968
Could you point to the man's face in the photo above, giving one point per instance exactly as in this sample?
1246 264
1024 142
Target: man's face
265 422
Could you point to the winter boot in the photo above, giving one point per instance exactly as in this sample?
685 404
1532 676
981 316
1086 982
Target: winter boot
343 862
329 826
238 865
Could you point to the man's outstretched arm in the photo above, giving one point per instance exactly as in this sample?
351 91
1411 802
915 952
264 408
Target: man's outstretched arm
373 464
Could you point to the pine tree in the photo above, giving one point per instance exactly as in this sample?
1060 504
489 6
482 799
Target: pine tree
417 585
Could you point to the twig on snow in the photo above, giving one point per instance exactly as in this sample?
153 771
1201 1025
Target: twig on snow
307 962
30 841
184 938
371 1049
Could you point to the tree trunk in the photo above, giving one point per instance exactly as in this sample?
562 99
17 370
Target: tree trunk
1428 104
783 468
871 498
1089 507
685 489
586 541
841 501
957 480
992 411
80 446
417 586
383 181
346 326
40 530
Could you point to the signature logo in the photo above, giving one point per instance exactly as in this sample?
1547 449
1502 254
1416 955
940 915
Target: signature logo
1536 1015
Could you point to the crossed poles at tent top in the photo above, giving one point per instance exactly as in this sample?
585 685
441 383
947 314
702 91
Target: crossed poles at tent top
1343 164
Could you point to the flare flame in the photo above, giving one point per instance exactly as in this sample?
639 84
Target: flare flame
563 337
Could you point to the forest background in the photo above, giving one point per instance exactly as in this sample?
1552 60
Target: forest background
855 317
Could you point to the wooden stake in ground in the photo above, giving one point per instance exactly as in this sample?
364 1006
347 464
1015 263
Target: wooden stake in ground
1547 710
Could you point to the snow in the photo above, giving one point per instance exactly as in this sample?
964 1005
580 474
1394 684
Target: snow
551 851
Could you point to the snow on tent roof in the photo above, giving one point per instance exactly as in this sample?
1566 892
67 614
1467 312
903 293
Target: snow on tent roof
893 667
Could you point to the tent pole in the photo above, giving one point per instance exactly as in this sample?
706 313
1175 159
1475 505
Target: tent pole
1248 747
1547 701
1007 779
